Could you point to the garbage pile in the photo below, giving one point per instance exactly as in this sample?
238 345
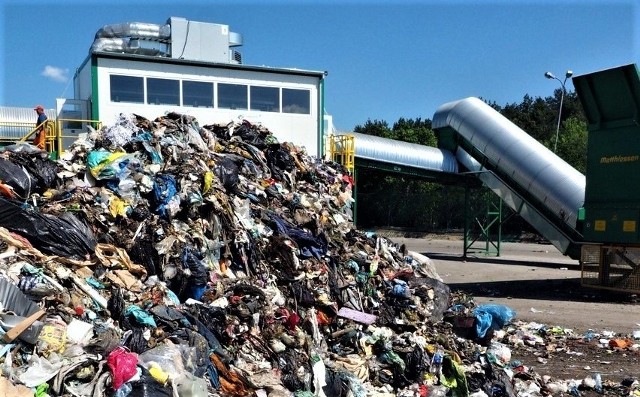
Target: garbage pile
164 258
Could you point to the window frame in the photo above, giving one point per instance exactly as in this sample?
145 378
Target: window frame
132 92
221 97
283 96
162 93
211 104
276 103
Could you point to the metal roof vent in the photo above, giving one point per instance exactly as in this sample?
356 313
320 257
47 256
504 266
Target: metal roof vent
235 57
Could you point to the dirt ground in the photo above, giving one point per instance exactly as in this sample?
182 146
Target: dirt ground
543 287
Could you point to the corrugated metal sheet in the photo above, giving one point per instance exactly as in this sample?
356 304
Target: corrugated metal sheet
16 122
515 153
402 153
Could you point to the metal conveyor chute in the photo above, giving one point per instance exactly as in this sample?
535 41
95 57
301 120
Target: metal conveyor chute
537 184
375 148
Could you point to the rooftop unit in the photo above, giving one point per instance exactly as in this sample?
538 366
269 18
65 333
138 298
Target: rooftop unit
178 39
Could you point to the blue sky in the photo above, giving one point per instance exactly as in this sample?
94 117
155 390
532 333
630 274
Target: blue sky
385 59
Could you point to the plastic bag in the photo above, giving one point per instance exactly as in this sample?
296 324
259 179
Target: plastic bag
16 177
499 354
165 196
190 386
123 366
154 155
97 160
227 171
199 274
148 387
53 337
163 359
64 236
42 170
140 316
39 371
492 316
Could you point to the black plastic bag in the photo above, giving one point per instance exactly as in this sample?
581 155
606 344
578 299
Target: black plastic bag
335 385
42 170
250 134
290 364
17 177
228 172
63 236
149 387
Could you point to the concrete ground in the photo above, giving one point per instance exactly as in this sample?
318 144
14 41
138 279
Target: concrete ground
535 280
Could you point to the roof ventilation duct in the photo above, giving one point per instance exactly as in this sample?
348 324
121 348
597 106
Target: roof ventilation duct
133 38
178 39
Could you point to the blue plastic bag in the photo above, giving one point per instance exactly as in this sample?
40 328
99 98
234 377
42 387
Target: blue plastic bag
492 316
141 317
165 196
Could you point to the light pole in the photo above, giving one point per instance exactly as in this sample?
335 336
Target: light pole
550 75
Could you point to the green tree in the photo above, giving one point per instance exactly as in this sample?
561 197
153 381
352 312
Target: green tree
538 117
572 143
532 115
375 128
414 131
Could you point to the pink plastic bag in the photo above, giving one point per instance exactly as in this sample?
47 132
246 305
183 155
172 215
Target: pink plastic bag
123 366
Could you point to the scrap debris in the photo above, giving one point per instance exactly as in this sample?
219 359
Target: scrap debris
164 258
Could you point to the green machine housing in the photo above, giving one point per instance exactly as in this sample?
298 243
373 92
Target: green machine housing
610 255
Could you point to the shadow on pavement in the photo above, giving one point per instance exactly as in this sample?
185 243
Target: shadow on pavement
567 288
501 261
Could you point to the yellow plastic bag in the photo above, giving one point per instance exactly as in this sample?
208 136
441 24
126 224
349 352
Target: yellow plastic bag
53 337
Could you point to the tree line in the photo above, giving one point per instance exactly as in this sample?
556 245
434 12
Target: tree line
399 201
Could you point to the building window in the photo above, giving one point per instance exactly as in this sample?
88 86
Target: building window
296 101
265 99
163 92
127 89
232 96
197 94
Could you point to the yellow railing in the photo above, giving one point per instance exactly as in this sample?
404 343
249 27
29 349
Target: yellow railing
18 131
343 151
54 132
60 137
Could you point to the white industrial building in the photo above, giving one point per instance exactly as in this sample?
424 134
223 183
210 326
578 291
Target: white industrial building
193 68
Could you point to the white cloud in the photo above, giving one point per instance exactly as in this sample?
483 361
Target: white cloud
56 74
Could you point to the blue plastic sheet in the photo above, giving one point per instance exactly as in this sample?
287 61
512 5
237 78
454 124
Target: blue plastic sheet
164 191
145 139
140 316
213 376
492 316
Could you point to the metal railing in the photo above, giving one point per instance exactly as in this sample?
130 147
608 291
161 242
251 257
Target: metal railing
61 137
20 131
343 150
55 138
